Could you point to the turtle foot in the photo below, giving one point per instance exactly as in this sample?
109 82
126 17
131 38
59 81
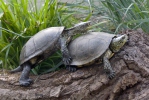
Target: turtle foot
67 60
26 83
111 75
71 68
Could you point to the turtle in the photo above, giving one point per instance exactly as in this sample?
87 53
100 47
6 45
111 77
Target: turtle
95 47
45 43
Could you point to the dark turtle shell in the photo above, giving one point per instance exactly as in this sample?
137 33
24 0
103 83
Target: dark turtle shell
89 47
42 43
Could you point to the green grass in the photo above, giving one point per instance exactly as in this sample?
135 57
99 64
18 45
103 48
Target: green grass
99 17
22 19
128 14
117 15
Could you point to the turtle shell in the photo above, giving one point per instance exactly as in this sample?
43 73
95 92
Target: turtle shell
85 49
43 41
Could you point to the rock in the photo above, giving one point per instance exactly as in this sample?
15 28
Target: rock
131 65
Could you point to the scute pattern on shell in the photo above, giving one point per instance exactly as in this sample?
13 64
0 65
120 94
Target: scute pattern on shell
89 47
40 42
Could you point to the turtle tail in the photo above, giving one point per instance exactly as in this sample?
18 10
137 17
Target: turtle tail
18 69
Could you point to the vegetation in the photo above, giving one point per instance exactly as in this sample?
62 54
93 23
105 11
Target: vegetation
21 19
128 14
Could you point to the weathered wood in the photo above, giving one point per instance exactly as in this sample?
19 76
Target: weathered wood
91 83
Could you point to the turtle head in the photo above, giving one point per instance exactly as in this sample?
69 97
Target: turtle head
118 42
81 27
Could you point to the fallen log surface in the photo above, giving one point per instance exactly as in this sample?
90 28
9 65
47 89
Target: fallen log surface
131 65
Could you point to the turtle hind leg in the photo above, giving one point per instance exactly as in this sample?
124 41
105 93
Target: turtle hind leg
71 68
24 79
18 69
108 69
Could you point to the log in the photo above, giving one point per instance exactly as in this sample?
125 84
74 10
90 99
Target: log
131 65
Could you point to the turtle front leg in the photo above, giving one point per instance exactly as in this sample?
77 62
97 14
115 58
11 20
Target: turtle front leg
108 68
65 53
24 79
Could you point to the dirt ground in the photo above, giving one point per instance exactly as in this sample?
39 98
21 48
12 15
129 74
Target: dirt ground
131 65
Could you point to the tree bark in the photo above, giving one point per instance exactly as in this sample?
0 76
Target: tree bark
131 65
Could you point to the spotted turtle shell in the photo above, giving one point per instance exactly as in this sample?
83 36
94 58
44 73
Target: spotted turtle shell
85 49
42 43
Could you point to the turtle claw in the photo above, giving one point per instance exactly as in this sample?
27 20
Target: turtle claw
26 83
111 75
67 61
30 80
71 68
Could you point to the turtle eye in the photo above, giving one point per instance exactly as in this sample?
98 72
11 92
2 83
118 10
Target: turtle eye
123 37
